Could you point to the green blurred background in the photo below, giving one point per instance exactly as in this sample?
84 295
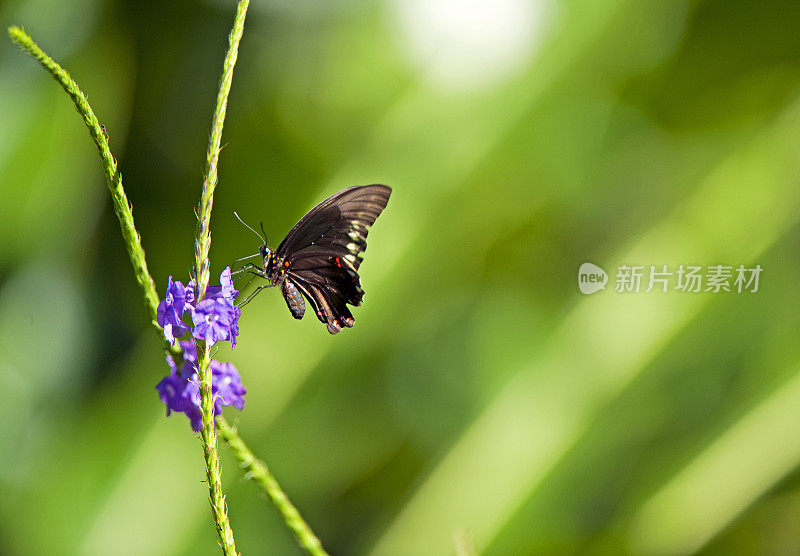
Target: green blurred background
481 400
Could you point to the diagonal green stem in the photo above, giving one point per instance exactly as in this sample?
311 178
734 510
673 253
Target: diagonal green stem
208 434
122 207
259 472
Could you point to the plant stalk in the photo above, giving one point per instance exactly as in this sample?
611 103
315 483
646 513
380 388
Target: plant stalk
259 472
122 206
208 433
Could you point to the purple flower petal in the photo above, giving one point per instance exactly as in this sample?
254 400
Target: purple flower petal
170 311
212 320
227 386
228 291
225 290
189 350
234 328
193 390
190 287
172 391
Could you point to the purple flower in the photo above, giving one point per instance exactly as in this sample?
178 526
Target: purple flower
212 320
180 391
176 393
170 311
227 386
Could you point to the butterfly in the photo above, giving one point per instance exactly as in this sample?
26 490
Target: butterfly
318 259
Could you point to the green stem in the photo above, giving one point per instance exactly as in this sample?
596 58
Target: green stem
113 178
208 434
259 472
203 244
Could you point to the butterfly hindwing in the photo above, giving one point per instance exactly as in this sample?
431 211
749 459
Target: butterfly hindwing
328 305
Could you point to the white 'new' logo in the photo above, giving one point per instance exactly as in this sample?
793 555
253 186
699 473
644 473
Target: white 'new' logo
591 278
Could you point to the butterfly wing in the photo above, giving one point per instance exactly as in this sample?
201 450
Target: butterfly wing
322 252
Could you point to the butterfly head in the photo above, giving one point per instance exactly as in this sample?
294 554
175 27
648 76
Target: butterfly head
270 263
267 256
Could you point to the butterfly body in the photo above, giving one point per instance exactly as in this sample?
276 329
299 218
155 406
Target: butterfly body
319 258
271 266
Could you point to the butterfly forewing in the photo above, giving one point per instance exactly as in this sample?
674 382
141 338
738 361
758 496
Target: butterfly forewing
322 253
338 220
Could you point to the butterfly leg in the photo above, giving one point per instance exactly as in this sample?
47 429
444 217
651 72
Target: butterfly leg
248 267
250 281
250 297
254 274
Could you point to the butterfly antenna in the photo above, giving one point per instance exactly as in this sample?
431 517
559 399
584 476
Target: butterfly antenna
264 239
262 231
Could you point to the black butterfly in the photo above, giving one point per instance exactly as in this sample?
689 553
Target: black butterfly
319 258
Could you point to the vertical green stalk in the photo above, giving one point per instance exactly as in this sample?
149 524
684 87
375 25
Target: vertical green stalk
202 246
259 472
122 207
